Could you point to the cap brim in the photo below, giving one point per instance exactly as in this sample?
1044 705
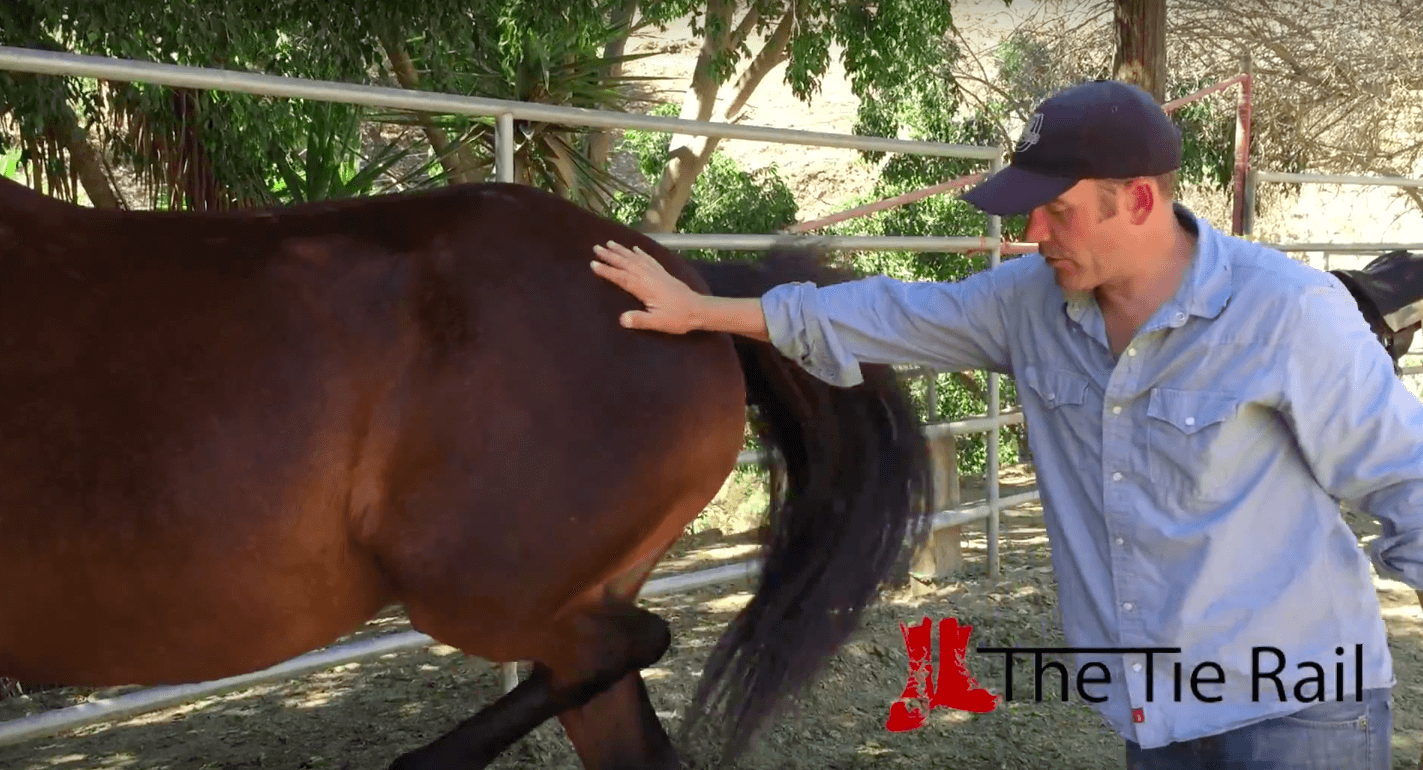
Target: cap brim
1015 191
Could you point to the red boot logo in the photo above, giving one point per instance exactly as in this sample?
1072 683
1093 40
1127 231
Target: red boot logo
954 687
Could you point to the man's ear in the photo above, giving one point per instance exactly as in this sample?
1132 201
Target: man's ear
1142 198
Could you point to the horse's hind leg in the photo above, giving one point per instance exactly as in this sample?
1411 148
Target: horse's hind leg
619 730
593 648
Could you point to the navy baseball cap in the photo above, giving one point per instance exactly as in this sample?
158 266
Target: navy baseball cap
1103 129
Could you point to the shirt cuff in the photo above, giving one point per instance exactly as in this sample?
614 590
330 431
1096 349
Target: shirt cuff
799 330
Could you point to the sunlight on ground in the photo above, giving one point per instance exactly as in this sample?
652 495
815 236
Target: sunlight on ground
443 649
729 603
311 701
116 761
1405 618
952 717
873 749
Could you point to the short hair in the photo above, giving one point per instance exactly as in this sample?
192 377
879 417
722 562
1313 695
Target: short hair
1107 192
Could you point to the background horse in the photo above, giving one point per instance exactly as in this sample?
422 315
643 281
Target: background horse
1389 291
229 438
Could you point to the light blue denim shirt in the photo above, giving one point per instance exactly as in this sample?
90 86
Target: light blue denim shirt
1190 488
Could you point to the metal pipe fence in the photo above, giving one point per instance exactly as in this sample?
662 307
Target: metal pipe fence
1258 176
505 112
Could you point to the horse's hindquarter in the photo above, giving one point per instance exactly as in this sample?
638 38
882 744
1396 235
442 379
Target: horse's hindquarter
181 413
225 440
543 447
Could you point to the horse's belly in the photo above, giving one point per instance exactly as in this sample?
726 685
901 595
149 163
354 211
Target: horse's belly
156 615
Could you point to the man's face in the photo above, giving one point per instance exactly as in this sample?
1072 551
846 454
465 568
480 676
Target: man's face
1081 235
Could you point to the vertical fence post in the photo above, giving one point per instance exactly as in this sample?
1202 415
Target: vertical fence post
995 235
504 148
1244 203
504 172
942 554
931 394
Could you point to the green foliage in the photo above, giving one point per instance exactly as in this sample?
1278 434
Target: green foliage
725 198
926 105
332 165
1207 134
200 149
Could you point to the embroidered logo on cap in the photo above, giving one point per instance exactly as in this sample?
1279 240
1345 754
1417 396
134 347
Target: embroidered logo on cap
1031 133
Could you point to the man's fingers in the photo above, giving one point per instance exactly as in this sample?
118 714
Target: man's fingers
612 273
633 319
612 256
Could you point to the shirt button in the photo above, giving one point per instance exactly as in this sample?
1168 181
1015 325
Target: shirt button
1127 606
1190 421
1116 410
1136 667
1116 477
1120 541
1131 351
1180 317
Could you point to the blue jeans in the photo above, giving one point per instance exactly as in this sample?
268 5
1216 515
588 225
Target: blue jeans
1325 736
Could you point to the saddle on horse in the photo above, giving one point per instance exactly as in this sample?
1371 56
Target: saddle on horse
1389 291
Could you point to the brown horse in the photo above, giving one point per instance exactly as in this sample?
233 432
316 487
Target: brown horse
229 438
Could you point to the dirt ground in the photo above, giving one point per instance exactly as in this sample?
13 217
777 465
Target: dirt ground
362 715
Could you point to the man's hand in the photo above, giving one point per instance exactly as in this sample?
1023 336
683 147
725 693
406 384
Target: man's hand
672 306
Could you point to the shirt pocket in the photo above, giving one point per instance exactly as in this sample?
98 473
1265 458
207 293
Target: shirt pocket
1065 399
1183 442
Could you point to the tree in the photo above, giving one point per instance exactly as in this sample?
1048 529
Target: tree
883 43
199 149
1337 87
1141 45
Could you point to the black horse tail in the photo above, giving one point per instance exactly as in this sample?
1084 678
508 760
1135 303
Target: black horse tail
854 500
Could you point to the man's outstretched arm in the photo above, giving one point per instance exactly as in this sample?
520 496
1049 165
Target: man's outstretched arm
831 330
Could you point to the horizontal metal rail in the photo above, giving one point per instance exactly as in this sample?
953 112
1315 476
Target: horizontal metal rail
121 70
178 76
1346 248
152 699
931 431
1383 181
58 721
733 242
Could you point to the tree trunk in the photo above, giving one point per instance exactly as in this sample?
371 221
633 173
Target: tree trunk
690 154
455 160
1141 45
600 144
675 186
86 162
88 166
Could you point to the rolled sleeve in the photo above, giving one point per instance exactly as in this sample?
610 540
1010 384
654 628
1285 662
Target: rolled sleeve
1360 429
831 330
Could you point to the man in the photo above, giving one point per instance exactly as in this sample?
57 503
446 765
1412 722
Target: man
1197 405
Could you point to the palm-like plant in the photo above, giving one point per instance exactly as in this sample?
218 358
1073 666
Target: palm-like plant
561 66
